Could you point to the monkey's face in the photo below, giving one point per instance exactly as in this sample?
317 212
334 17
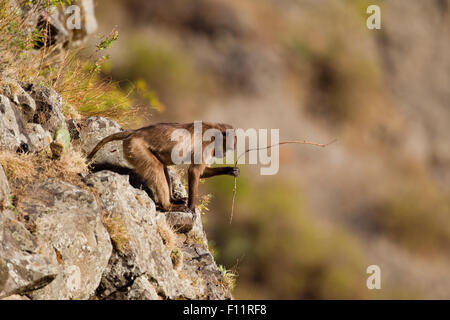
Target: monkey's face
229 140
229 137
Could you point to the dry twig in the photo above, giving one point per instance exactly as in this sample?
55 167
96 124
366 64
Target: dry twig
269 147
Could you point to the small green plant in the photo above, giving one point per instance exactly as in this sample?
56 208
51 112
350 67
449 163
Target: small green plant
108 40
204 203
228 277
47 3
10 204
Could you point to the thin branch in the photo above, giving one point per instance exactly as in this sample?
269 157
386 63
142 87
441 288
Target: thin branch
269 147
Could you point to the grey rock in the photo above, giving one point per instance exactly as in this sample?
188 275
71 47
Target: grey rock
67 222
74 129
122 282
4 189
17 112
26 105
12 90
93 131
22 267
181 221
144 253
199 264
12 128
38 138
142 289
48 108
143 268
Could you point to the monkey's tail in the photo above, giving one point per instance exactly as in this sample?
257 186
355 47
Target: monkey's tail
116 136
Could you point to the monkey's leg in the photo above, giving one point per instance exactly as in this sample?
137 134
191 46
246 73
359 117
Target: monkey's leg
169 181
194 173
150 168
212 172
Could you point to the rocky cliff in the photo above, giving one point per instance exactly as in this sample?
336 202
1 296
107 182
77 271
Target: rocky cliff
67 232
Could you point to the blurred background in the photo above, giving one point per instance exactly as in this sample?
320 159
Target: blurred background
380 195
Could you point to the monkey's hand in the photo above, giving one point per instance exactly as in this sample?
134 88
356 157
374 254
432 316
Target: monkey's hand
234 171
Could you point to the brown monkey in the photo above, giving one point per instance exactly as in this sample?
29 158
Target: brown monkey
149 151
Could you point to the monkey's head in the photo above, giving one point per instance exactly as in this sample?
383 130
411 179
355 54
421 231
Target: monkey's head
227 132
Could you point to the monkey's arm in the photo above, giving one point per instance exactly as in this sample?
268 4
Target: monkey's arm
217 171
196 172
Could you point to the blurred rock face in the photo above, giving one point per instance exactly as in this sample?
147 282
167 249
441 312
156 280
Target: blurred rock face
313 69
415 56
211 18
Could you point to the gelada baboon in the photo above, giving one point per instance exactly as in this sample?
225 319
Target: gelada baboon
149 151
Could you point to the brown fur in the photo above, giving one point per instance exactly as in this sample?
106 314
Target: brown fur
149 151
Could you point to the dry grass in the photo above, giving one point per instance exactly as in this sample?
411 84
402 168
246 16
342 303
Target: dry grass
74 162
18 166
22 169
118 232
13 87
15 40
168 234
172 242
